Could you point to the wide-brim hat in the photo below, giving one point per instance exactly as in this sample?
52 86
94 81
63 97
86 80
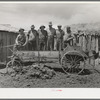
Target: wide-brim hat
50 23
59 25
21 29
32 26
42 26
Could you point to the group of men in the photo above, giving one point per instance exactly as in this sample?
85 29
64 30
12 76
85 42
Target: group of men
50 39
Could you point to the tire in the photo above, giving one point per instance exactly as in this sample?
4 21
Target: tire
73 63
13 66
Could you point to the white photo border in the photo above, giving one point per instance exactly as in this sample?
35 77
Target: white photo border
50 93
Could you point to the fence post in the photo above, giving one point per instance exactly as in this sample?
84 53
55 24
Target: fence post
97 50
89 45
84 43
92 60
80 40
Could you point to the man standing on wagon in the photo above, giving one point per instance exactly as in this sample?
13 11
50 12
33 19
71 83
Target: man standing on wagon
51 36
43 36
68 37
33 38
60 34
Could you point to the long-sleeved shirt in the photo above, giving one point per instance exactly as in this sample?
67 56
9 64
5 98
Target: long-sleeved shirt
51 32
60 34
20 40
43 34
32 35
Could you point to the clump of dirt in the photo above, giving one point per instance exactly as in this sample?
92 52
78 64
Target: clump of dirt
36 71
32 75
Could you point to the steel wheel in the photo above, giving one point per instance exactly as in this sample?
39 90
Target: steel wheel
14 66
73 63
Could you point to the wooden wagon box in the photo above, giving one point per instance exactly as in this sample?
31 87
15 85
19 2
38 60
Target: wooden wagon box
33 56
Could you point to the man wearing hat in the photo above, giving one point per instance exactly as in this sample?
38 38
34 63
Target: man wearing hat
51 36
43 36
33 38
60 33
69 37
21 40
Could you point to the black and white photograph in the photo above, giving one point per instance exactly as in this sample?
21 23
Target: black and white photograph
50 45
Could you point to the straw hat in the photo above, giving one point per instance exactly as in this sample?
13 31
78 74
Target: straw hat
42 26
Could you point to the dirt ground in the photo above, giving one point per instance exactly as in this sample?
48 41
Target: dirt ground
90 79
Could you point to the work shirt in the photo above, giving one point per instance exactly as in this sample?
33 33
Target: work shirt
60 34
42 34
51 38
67 36
51 32
32 35
21 39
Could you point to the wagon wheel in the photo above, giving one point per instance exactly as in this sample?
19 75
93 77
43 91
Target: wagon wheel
14 66
73 63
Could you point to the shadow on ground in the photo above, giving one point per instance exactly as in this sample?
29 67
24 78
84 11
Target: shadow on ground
2 66
85 72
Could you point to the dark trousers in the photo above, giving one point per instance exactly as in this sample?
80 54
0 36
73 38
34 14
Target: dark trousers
50 43
33 45
43 44
60 44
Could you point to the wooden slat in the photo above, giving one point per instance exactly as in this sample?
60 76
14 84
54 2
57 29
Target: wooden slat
8 43
84 44
4 44
1 49
33 55
93 43
89 43
52 54
97 51
12 40
99 42
80 41
97 45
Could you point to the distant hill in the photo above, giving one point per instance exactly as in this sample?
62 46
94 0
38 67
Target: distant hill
89 27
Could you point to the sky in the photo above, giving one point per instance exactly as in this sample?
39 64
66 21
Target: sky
23 15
